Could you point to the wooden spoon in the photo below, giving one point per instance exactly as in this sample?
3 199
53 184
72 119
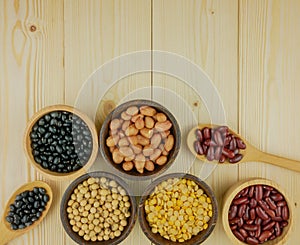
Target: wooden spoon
250 154
7 234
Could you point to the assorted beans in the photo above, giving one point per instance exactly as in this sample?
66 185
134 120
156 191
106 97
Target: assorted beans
258 214
219 144
27 208
61 142
98 209
178 209
140 139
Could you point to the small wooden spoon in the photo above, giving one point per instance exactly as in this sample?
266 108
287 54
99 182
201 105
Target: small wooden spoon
7 234
250 154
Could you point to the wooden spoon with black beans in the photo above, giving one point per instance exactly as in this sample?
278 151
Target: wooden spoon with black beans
220 144
25 209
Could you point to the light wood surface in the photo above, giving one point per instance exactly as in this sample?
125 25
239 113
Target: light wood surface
60 52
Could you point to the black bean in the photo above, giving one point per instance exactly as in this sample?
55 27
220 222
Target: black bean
36 204
14 227
30 199
41 122
9 219
45 165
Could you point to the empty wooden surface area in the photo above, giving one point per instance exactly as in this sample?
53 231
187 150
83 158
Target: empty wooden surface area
96 54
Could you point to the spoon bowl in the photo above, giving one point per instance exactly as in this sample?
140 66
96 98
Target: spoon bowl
250 154
7 234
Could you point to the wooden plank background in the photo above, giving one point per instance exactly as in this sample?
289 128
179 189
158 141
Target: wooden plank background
249 49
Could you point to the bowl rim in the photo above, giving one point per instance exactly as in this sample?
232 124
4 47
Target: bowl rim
98 174
235 189
55 175
207 190
120 108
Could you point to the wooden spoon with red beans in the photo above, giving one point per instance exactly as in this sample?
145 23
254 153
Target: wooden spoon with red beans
219 144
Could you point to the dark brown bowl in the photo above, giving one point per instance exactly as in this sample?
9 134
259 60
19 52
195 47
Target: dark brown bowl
64 204
133 174
157 238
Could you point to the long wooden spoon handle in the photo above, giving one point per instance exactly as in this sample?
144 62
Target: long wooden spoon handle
280 161
6 235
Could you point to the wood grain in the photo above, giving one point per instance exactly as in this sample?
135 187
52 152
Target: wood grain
269 115
199 31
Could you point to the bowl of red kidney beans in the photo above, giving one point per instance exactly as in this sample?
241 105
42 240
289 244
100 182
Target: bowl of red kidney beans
257 211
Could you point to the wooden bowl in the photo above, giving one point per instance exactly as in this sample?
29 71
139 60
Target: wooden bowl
64 204
7 234
51 174
157 238
133 174
239 186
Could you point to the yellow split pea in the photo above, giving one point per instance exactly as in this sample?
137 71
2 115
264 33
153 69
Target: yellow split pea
178 209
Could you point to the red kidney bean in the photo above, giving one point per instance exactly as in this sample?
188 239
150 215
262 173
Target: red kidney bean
228 153
264 236
240 200
271 213
222 159
232 144
242 210
281 203
252 214
205 147
271 203
258 232
240 143
240 222
250 221
218 138
253 203
227 140
232 212
223 130
261 213
238 235
258 192
278 211
269 188
243 232
199 135
272 237
252 233
234 221
236 158
264 205
277 197
198 148
277 229
266 193
258 221
283 224
218 152
252 240
264 222
210 154
251 191
285 213
277 219
206 133
268 226
250 227
233 227
246 215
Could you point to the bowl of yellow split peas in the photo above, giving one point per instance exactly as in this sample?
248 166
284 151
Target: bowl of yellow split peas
178 208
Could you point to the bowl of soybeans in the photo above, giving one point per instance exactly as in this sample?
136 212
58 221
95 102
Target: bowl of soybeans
98 208
178 208
257 211
140 139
